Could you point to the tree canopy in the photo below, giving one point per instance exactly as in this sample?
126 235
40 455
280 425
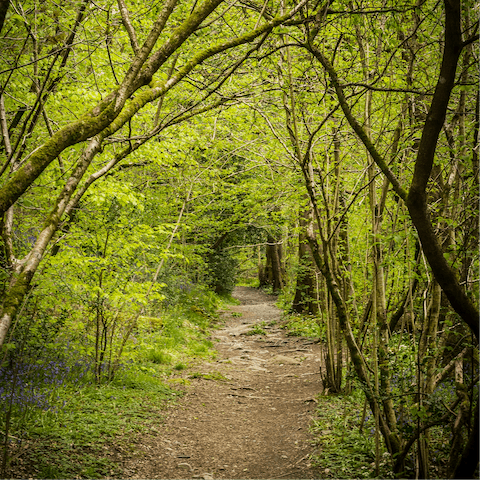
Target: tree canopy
328 148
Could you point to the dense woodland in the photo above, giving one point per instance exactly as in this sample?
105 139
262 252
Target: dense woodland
153 154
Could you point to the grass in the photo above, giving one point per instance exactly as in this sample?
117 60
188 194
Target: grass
83 437
181 341
257 329
343 451
304 326
209 376
159 357
91 427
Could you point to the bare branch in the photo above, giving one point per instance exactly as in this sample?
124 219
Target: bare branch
128 26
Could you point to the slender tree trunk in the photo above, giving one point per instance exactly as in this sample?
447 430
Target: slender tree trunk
305 300
274 264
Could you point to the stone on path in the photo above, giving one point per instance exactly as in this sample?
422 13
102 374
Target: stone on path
279 359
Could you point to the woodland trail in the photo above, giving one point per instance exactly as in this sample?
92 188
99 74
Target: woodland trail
254 424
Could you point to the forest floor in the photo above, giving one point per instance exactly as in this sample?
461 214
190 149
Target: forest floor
245 414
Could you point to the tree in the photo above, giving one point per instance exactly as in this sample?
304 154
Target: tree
416 199
4 4
289 145
114 112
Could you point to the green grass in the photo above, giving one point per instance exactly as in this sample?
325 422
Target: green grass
159 357
343 451
80 440
181 340
209 376
257 329
304 326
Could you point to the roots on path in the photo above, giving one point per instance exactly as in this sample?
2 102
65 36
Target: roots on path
255 423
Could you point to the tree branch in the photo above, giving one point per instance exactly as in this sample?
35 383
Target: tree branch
128 26
417 197
377 157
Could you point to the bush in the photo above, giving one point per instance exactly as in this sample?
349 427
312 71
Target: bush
222 272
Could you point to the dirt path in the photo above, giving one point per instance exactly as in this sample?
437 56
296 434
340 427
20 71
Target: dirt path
255 424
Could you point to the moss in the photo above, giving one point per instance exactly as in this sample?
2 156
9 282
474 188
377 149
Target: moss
78 131
15 294
11 304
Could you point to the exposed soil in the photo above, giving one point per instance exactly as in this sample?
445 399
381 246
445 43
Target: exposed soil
255 423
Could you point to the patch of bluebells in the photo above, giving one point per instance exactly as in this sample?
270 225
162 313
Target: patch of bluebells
405 378
445 391
33 384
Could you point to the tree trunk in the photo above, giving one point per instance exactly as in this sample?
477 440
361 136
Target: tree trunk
273 267
305 300
4 4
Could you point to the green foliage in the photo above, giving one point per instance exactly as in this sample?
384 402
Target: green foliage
345 450
304 326
222 272
103 274
257 329
248 282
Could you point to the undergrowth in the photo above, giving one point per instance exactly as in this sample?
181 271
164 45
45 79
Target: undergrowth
345 440
345 445
304 326
95 424
57 421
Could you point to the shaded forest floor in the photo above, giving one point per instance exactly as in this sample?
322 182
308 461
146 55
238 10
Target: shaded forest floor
244 415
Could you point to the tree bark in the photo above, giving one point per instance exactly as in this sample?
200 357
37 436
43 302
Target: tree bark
273 267
4 4
417 196
305 300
